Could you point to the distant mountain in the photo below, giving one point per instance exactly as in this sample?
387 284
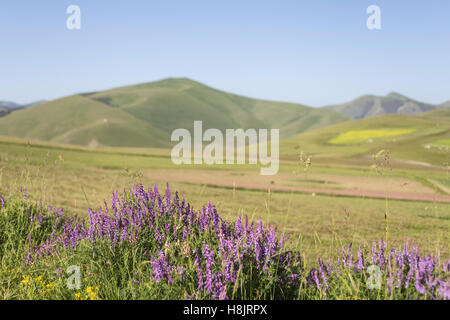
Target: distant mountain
7 107
4 111
34 103
145 115
370 105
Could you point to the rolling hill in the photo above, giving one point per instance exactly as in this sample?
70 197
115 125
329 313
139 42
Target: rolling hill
422 138
370 106
438 114
145 115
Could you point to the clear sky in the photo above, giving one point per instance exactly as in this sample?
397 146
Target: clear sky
312 52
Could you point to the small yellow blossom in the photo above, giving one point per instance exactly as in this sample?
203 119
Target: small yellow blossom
91 294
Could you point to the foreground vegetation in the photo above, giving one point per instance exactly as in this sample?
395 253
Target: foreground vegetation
38 244
79 178
144 245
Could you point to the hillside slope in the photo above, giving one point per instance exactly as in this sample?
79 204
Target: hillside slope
438 114
423 138
145 115
80 120
370 106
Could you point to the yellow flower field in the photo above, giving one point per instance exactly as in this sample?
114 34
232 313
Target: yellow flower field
358 136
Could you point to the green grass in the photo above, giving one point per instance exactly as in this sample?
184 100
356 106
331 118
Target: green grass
441 143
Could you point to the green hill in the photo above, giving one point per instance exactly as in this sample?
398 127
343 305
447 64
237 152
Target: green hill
438 114
370 106
407 137
79 120
145 115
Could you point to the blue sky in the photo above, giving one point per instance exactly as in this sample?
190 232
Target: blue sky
311 52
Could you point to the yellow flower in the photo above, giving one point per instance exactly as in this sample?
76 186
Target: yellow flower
24 282
91 294
49 286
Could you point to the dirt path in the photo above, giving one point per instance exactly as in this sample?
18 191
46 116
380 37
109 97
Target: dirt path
351 193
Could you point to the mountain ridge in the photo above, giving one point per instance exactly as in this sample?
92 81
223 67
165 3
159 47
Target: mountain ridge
372 105
144 115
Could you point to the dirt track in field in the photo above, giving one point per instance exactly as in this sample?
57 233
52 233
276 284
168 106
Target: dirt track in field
349 193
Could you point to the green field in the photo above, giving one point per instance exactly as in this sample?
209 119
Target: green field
77 178
441 143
